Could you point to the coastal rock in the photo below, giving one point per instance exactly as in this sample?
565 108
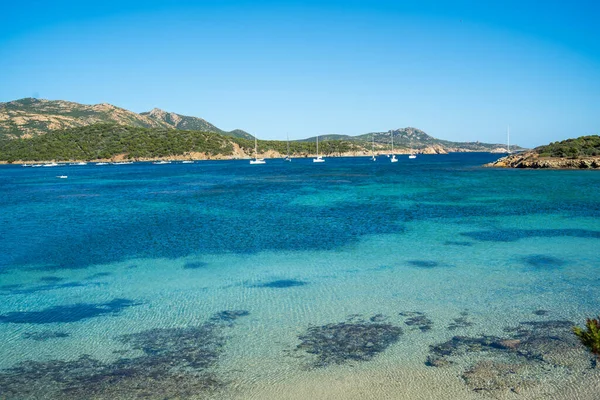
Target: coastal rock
532 160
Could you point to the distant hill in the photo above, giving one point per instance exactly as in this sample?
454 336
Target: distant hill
183 122
32 117
328 137
418 140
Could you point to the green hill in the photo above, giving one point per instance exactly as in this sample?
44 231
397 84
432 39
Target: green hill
584 146
417 139
107 141
104 141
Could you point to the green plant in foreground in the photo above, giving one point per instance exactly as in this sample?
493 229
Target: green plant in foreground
590 337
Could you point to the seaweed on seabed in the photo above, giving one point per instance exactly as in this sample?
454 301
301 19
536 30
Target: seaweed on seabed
460 322
347 341
171 363
418 319
590 337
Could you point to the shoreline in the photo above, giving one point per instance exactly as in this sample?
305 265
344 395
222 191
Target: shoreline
203 157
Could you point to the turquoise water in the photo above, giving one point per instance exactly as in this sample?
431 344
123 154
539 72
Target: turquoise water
318 265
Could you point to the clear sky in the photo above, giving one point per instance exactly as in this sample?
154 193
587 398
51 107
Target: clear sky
460 70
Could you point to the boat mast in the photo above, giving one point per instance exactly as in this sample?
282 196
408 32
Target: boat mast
317 146
392 133
288 145
255 149
508 139
373 144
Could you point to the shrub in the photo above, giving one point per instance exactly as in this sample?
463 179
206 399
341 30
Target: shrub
591 336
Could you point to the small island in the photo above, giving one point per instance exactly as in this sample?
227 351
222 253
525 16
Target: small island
580 153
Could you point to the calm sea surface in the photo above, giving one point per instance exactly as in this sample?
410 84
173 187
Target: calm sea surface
429 278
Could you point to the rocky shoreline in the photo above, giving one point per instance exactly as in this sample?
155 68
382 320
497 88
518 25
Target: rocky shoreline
532 160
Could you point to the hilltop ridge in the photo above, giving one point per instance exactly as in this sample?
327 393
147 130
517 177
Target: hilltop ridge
29 117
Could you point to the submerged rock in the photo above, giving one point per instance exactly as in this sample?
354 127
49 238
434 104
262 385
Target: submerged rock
347 342
530 352
171 363
68 313
282 284
492 376
44 335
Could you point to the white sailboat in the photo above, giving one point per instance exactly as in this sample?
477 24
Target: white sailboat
256 159
393 159
373 147
288 158
412 154
319 158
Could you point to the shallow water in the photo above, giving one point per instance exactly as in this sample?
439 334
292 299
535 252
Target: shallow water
343 254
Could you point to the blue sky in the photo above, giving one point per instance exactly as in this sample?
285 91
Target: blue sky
460 70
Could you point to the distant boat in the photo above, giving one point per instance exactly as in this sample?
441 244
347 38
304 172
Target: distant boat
123 163
79 163
161 162
319 158
101 163
187 162
36 165
50 165
26 165
288 158
373 147
256 159
62 177
393 159
412 154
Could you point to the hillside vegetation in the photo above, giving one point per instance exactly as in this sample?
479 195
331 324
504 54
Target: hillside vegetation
106 141
584 146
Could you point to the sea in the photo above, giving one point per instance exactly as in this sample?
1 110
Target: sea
430 278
